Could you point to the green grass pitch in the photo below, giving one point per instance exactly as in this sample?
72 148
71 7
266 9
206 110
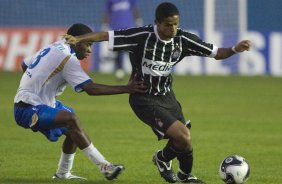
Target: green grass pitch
230 115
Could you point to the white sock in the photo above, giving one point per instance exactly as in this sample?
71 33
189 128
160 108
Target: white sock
95 156
65 163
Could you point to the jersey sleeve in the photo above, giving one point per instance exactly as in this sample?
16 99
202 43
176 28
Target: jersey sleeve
125 39
75 75
194 46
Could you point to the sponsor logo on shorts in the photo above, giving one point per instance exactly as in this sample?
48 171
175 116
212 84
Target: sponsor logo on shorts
159 122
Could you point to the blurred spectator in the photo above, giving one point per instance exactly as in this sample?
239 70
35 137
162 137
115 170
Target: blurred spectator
121 14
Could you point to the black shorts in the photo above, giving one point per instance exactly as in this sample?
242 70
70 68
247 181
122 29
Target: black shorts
159 112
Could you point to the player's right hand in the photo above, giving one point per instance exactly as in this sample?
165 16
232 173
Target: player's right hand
242 46
70 39
137 86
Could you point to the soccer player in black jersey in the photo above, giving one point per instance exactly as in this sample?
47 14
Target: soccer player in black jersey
153 51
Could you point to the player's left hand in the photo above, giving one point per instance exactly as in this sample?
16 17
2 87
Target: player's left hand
242 46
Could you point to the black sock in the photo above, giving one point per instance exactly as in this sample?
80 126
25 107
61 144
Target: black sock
168 153
185 162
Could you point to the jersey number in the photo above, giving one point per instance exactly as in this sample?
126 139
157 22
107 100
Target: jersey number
38 58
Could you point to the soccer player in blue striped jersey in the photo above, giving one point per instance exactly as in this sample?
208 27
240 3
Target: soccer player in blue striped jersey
35 106
153 51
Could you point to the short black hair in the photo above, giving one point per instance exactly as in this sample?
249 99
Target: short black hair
165 10
79 29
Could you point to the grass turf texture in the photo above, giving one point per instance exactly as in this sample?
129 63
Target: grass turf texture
230 115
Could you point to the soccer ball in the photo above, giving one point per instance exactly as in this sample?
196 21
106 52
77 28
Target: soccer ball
234 170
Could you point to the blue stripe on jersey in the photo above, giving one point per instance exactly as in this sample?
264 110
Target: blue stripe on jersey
78 89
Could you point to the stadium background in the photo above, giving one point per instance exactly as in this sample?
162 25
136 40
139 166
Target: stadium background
26 25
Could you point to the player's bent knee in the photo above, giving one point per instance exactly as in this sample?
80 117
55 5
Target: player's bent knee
72 121
184 142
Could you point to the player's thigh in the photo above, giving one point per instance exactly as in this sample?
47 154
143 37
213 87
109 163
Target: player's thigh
177 111
178 131
158 118
49 117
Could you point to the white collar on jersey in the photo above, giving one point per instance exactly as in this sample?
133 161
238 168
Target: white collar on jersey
156 32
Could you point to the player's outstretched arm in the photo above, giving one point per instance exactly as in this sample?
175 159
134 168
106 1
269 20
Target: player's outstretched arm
90 37
133 86
224 53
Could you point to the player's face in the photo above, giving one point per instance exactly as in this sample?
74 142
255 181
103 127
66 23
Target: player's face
167 29
83 50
